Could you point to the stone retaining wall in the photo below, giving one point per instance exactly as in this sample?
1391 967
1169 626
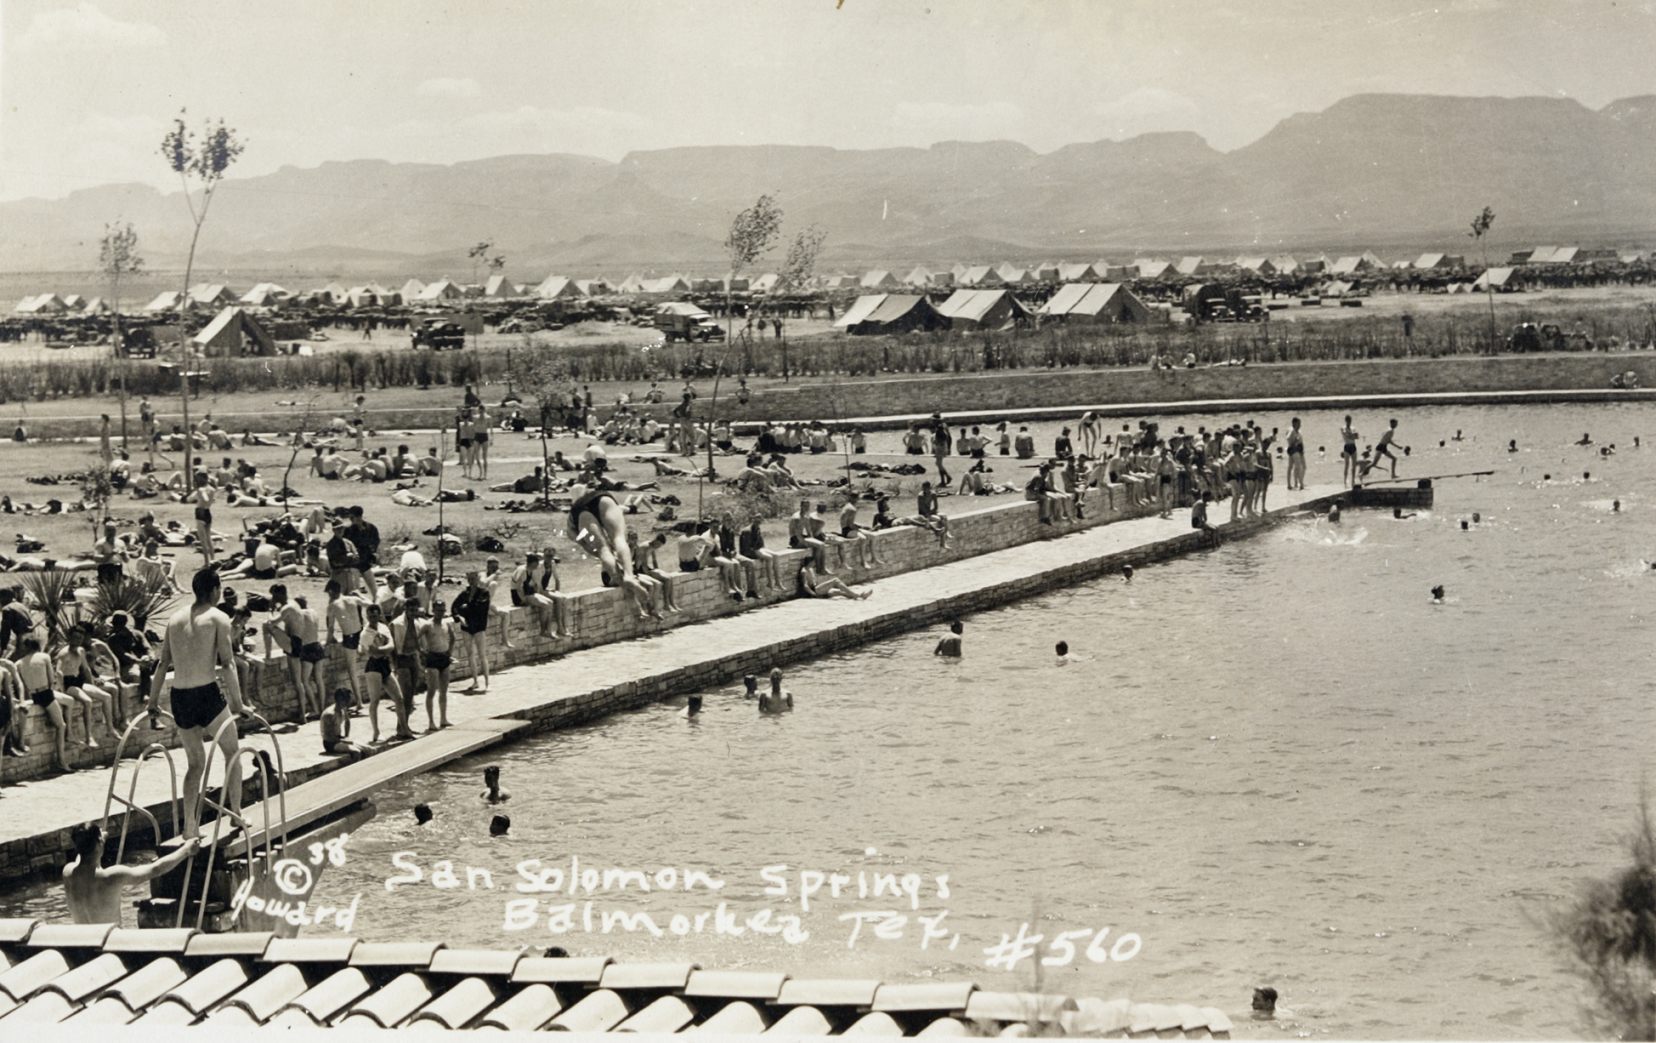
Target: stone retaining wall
601 616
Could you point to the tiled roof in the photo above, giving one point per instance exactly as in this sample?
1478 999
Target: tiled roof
101 975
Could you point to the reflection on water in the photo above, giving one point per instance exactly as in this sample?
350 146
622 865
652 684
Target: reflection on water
1275 762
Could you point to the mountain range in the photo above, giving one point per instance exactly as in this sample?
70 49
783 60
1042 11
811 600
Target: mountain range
1371 171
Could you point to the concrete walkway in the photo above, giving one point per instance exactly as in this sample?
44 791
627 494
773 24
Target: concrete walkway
35 816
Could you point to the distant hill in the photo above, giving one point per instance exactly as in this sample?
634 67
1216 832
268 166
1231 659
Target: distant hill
1373 170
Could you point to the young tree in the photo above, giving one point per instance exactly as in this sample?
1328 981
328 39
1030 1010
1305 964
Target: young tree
1610 935
798 271
118 256
478 254
200 161
1480 226
544 377
751 233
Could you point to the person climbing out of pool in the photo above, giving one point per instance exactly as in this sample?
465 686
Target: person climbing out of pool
196 647
950 646
491 779
336 728
1348 453
94 890
779 699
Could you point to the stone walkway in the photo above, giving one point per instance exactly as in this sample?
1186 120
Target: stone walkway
36 816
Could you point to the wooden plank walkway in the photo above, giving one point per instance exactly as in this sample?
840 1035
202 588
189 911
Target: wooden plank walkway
594 681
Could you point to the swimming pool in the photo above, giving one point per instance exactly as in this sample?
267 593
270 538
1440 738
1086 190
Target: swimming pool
1272 763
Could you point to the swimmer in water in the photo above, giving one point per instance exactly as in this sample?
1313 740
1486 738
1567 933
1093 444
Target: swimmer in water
1586 476
1334 514
1586 439
491 778
1127 573
1062 649
1397 513
1476 518
1437 594
500 826
1457 437
780 700
1615 506
1465 525
950 646
1512 446
94 891
692 708
750 686
422 814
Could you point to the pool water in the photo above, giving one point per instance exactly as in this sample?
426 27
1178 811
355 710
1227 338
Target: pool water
1276 762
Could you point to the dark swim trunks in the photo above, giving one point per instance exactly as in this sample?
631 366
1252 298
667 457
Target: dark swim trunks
352 641
43 698
379 665
204 515
438 660
197 707
312 654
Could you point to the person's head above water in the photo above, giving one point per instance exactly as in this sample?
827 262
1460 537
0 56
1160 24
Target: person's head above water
776 679
1437 592
500 826
1062 648
751 683
422 814
1127 573
957 627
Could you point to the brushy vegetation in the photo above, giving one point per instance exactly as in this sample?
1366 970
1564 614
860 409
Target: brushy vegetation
1610 935
1366 337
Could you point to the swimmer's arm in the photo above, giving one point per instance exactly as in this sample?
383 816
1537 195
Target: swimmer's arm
939 649
224 654
138 874
163 663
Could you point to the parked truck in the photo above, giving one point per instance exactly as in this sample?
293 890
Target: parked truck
681 320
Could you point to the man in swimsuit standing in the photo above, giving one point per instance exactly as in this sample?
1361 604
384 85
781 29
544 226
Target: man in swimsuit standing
473 606
1348 453
196 645
1296 456
436 640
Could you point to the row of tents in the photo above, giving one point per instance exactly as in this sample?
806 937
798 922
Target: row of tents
991 309
879 280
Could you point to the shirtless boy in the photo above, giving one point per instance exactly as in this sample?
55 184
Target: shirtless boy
94 892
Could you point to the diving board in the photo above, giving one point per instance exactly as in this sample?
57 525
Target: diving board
324 796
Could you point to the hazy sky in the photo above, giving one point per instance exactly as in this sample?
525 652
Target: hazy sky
86 88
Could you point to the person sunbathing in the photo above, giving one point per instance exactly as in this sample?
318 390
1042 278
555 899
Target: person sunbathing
812 585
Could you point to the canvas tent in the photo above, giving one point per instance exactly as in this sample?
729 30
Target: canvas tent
1096 302
441 290
1499 279
891 313
211 293
264 295
95 306
1149 268
499 286
555 287
42 304
1077 273
594 287
234 333
1257 265
983 310
918 276
877 279
412 289
980 275
166 300
766 283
